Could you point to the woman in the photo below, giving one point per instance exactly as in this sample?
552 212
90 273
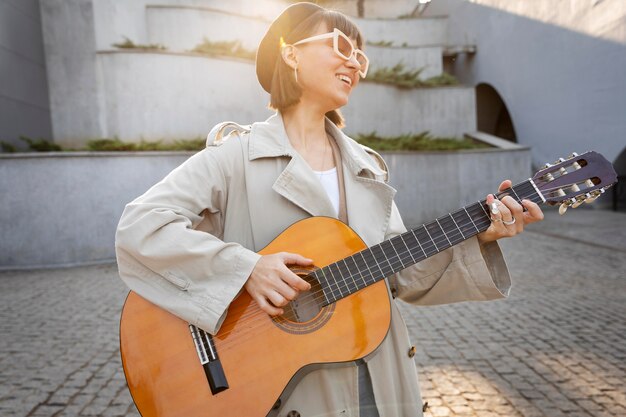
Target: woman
297 164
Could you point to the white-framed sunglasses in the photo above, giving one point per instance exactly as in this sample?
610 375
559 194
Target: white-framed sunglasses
342 45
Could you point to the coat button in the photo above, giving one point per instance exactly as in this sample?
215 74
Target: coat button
293 413
412 352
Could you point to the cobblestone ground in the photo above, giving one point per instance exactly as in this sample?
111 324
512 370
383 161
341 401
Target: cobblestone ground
556 347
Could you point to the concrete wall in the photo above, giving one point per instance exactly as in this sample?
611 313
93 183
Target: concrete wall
405 32
116 19
375 8
134 105
560 71
431 184
155 96
426 57
65 211
391 111
24 106
183 28
75 100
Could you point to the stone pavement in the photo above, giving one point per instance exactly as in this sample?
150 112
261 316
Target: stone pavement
556 347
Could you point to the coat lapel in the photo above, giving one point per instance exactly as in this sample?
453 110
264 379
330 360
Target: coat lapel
368 200
297 181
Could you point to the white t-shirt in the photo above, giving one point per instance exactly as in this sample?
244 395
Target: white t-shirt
331 185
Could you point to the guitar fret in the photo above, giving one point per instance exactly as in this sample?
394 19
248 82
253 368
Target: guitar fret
340 282
444 232
318 274
344 273
472 220
453 233
358 270
407 248
381 254
367 263
332 290
422 234
431 238
393 246
457 226
377 262
438 238
462 218
483 207
392 257
418 243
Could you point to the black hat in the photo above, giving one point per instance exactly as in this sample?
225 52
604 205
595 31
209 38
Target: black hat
269 48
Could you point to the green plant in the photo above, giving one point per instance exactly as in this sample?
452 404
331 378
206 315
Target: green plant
423 141
379 43
128 44
104 145
404 78
230 48
7 147
41 145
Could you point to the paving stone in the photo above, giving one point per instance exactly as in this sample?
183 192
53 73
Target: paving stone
556 347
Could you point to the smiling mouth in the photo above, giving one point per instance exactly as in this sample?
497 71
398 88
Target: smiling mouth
344 78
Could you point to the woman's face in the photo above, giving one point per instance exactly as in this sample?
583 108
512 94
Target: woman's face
326 79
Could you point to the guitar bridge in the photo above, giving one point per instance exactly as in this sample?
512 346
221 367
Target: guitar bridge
209 360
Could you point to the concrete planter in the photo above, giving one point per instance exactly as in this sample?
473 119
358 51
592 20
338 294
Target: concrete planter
392 111
202 91
406 32
62 209
427 57
164 25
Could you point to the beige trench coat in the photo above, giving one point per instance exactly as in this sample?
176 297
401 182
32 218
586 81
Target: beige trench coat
245 192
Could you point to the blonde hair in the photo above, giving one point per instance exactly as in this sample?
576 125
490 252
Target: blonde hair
285 91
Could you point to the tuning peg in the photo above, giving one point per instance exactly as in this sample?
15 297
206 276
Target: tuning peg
563 208
546 166
590 198
578 202
560 160
573 155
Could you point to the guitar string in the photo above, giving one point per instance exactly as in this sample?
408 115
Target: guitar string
343 283
242 336
438 239
403 258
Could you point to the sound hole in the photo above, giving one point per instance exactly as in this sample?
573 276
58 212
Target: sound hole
308 304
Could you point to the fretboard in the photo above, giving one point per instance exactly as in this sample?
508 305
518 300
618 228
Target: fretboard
364 268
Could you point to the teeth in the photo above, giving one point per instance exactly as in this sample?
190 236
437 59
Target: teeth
344 78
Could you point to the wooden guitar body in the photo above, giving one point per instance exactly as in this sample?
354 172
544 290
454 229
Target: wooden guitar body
262 357
344 317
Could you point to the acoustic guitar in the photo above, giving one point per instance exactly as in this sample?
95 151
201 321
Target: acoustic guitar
250 366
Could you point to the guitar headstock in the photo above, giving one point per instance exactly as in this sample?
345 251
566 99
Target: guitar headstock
575 180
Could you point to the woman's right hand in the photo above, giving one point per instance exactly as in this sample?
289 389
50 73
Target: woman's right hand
272 284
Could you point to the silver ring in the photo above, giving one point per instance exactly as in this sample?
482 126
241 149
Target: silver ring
509 223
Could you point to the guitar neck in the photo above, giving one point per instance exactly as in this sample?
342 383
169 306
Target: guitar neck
364 268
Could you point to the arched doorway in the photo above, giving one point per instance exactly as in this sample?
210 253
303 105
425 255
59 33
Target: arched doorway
492 116
619 189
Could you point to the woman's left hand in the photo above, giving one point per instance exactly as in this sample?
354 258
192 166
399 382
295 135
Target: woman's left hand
509 217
